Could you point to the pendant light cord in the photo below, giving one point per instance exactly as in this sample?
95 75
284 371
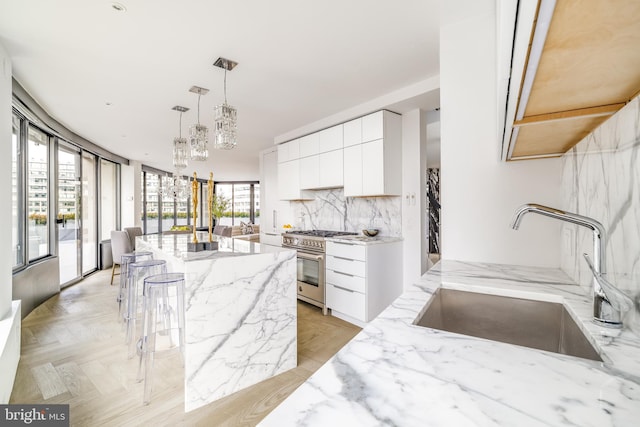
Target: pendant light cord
199 94
225 85
180 126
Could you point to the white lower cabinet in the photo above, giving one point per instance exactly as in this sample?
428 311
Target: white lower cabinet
342 300
362 280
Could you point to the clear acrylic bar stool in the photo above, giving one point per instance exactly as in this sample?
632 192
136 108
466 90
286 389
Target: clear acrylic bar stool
128 258
162 323
136 272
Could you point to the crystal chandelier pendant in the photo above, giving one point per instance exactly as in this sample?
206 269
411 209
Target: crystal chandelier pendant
199 134
180 145
175 187
180 153
225 127
181 186
198 141
167 187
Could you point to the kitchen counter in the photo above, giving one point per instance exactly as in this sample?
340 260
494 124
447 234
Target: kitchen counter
240 312
396 373
364 240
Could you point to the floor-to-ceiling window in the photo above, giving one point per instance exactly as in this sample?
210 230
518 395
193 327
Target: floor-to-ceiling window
151 208
89 213
244 202
17 211
161 211
109 196
68 216
38 231
55 206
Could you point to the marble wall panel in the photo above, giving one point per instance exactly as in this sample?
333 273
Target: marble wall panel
601 180
331 210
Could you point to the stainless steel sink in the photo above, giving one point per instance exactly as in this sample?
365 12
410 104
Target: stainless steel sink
529 323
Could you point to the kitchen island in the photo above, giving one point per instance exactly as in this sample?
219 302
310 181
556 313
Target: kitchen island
240 311
397 373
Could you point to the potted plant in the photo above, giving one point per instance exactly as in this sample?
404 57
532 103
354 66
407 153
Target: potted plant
219 205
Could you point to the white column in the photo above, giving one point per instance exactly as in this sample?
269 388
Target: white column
131 193
414 187
9 312
479 192
6 249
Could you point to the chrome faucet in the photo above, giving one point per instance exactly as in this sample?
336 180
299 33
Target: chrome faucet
603 310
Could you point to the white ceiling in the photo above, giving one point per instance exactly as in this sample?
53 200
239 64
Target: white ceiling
299 61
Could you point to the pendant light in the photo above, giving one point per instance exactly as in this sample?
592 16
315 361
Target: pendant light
225 127
199 134
180 146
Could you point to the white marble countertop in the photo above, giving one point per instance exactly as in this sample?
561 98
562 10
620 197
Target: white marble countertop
364 240
396 373
176 245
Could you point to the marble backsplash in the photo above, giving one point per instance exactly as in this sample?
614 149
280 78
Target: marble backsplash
601 180
331 210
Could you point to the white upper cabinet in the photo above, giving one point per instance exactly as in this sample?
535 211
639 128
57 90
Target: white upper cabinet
321 171
363 155
353 170
352 132
330 139
373 167
373 126
289 187
309 145
289 151
331 169
310 172
373 171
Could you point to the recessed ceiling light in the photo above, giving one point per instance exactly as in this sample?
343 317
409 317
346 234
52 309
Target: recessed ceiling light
119 7
107 103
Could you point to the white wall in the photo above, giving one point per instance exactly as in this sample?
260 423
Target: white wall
131 195
9 320
414 194
5 181
479 192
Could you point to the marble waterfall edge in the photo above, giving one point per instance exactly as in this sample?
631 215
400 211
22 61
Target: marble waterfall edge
255 339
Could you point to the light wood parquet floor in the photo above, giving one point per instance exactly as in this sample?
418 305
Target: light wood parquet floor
73 352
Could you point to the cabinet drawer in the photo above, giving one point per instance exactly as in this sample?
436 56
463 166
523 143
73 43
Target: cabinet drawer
346 250
348 302
346 265
345 280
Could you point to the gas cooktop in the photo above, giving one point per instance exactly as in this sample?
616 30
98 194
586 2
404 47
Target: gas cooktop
322 233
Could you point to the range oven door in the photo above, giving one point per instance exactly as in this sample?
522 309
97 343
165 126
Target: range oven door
311 278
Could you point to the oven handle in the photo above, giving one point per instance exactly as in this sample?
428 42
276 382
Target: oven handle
313 257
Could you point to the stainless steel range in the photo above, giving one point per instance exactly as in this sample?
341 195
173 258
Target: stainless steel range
311 249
